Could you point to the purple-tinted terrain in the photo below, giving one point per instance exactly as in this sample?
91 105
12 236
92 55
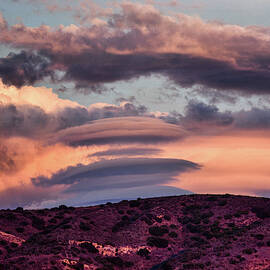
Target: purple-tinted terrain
184 232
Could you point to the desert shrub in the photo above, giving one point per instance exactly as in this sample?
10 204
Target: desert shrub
166 266
3 242
52 220
228 216
158 231
145 206
121 212
66 226
38 223
62 207
167 217
19 209
193 208
89 247
222 203
233 261
20 230
173 234
59 216
157 242
84 227
75 251
158 219
249 251
117 227
147 220
10 217
173 226
24 223
208 235
78 266
125 218
134 203
189 255
130 212
195 220
117 261
14 245
206 221
144 252
207 215
211 199
184 220
194 229
259 236
261 212
193 266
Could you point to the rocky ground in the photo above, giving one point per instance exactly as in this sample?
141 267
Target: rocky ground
185 232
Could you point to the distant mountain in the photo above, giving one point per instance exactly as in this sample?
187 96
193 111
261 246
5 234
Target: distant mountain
180 232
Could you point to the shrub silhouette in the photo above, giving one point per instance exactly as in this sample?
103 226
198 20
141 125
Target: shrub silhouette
89 247
261 212
173 234
158 231
144 252
157 242
259 236
134 203
84 227
20 230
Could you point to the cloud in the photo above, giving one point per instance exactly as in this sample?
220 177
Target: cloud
254 119
120 130
117 173
186 49
36 112
201 115
131 151
22 120
24 68
24 196
7 164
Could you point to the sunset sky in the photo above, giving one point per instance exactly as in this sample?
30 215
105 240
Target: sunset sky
109 100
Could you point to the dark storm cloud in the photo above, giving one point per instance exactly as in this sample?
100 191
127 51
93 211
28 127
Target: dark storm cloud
128 152
24 68
184 70
201 113
127 45
253 119
201 116
118 173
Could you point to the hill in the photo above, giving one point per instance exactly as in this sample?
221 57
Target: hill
180 232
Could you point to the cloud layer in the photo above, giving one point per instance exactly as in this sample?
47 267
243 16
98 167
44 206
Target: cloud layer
117 173
139 40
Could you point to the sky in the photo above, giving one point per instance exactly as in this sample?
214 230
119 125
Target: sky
110 100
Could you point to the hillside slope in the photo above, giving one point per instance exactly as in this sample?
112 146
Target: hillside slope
184 232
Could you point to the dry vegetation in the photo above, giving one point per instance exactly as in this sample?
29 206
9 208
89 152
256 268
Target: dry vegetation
185 232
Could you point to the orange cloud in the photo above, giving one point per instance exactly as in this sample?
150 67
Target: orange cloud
236 163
